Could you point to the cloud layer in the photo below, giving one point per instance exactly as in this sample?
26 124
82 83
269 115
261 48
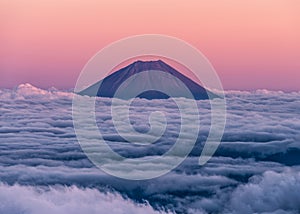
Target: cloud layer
255 169
60 200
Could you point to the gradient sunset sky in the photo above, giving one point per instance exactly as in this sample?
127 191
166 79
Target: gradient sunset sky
253 44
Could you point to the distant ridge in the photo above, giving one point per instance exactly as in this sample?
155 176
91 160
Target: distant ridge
111 83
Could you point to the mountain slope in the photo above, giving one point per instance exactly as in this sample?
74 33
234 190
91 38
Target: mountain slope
111 83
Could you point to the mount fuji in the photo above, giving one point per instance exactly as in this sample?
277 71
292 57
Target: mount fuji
108 86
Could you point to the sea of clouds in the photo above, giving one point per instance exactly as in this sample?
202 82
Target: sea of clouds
43 169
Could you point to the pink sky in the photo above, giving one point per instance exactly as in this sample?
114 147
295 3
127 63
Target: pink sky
251 43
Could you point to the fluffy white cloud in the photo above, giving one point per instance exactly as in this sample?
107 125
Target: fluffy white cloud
38 147
61 200
272 192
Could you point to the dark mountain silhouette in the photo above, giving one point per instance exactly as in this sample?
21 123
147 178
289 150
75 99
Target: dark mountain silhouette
111 83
